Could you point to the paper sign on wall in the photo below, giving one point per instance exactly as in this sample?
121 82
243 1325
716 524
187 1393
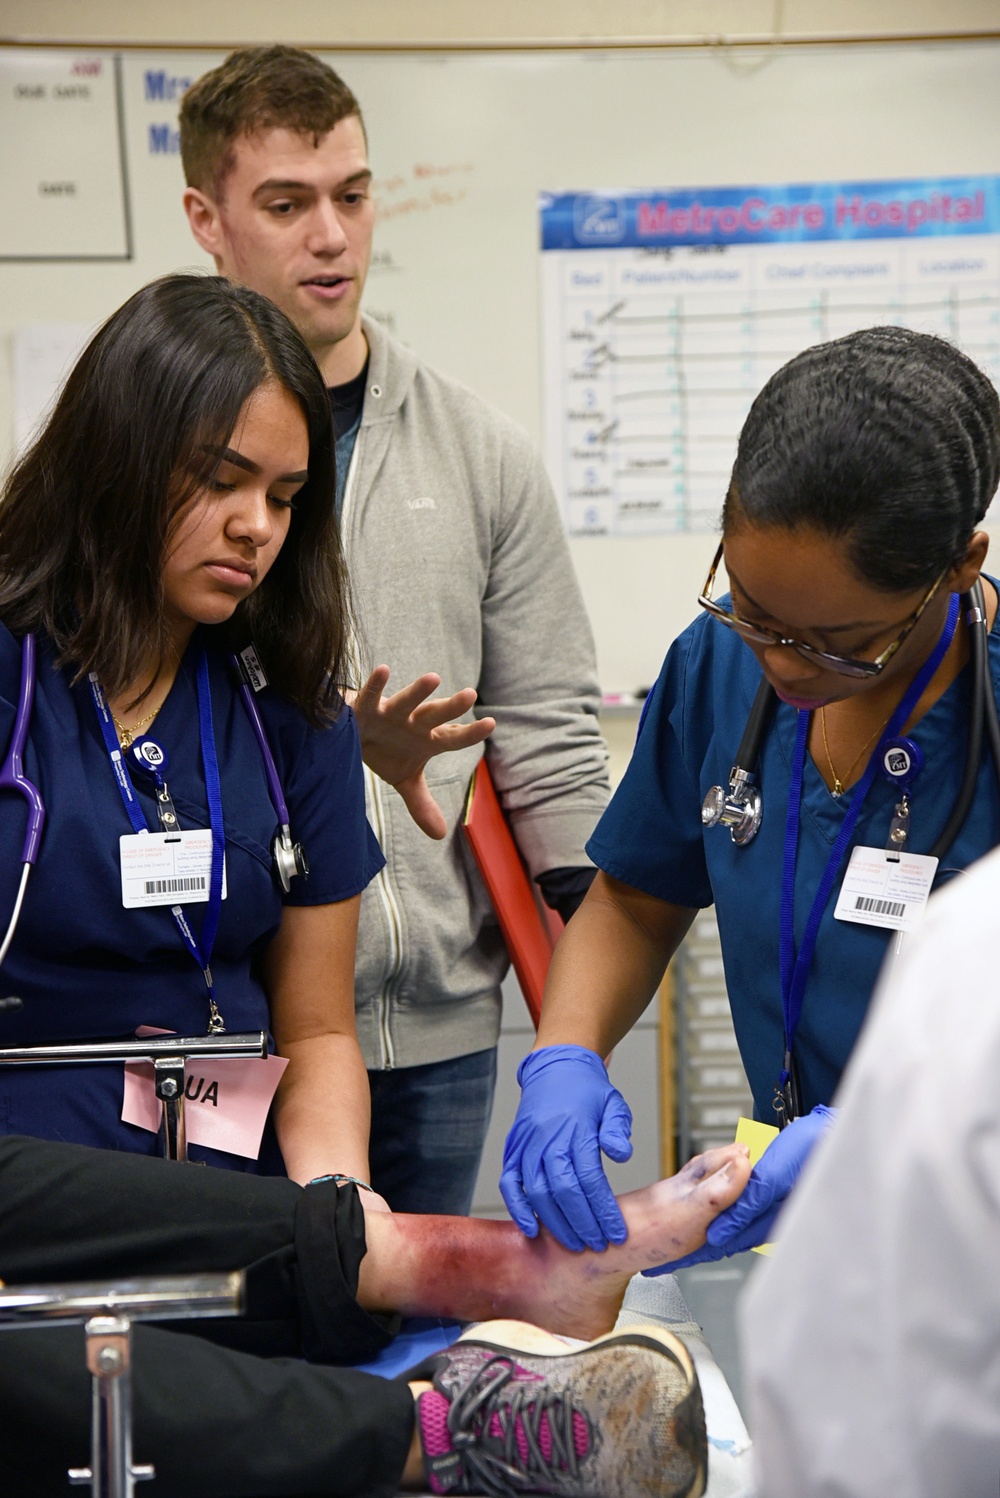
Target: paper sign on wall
664 312
226 1103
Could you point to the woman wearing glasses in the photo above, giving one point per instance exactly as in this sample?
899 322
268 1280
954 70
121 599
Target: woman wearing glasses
850 527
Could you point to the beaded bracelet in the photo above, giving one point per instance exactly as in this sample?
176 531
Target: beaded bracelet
342 1180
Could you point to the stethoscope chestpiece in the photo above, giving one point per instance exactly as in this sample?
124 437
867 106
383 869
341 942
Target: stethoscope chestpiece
740 809
289 858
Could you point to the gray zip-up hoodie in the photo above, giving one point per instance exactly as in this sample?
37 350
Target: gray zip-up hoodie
459 564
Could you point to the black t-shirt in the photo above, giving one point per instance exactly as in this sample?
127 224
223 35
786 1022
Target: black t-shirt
346 402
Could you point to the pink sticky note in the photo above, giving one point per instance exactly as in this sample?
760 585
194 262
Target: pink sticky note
226 1102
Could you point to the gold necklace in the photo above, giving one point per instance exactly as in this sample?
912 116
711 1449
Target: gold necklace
126 735
838 785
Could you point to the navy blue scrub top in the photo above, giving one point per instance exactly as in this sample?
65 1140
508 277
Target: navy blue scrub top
86 967
651 837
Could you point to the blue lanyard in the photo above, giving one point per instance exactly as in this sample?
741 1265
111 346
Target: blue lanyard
795 968
200 951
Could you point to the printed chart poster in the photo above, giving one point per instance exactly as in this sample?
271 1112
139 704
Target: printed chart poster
62 175
663 314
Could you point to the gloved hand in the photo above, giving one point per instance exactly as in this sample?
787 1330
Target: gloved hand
748 1222
552 1172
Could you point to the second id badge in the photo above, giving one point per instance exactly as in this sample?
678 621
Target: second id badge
167 868
886 889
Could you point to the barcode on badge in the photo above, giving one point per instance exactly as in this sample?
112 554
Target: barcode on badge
895 908
173 886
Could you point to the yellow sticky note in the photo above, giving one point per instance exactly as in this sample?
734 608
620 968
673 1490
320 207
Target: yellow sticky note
756 1136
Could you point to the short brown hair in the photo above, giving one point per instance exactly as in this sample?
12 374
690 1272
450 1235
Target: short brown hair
257 88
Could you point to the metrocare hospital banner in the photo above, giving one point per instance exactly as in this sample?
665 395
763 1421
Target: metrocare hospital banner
663 314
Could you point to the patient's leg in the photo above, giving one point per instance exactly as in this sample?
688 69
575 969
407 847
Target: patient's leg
477 1270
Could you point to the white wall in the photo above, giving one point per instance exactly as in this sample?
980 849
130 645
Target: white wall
467 298
463 285
483 22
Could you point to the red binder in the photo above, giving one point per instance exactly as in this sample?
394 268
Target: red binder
529 931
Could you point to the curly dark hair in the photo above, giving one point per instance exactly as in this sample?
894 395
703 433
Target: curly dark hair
888 438
135 434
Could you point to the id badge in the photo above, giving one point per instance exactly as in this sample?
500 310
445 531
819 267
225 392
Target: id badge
887 890
167 868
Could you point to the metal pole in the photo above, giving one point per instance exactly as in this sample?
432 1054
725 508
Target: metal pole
169 1075
111 1473
107 1312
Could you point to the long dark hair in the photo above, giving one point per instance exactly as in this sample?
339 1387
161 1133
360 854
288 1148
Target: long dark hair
88 510
887 438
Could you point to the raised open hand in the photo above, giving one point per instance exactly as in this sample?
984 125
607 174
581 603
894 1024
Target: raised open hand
401 732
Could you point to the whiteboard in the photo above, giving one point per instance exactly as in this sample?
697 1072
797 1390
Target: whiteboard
462 146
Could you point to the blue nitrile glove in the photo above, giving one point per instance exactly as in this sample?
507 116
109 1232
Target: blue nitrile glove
748 1222
552 1172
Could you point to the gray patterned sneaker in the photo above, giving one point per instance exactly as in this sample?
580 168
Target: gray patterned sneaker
515 1410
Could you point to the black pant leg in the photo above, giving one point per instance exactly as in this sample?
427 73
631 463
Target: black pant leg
214 1422
70 1213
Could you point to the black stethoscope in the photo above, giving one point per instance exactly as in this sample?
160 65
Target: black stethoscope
740 805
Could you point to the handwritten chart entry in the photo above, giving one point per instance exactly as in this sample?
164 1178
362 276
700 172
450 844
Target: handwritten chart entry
64 185
664 314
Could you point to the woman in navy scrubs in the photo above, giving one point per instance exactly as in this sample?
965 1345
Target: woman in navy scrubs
851 524
179 507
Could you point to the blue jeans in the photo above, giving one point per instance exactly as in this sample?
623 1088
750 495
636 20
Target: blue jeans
428 1128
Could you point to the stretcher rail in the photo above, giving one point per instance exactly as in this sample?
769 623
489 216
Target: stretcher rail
244 1045
166 1053
107 1310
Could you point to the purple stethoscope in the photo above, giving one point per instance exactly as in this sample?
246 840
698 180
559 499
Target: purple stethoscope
289 857
13 778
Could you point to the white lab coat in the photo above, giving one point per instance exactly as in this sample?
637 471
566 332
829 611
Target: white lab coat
872 1339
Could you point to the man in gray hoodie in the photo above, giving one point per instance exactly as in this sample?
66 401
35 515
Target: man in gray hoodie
458 559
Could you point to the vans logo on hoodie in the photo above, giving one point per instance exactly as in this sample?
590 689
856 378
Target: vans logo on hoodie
425 503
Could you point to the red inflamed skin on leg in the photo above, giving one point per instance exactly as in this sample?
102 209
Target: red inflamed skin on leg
474 1269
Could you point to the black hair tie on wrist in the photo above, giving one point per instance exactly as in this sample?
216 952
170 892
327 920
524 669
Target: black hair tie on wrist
342 1180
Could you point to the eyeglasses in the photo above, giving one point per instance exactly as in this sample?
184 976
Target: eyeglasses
846 665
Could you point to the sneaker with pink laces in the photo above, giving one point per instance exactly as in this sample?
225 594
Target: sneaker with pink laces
514 1410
